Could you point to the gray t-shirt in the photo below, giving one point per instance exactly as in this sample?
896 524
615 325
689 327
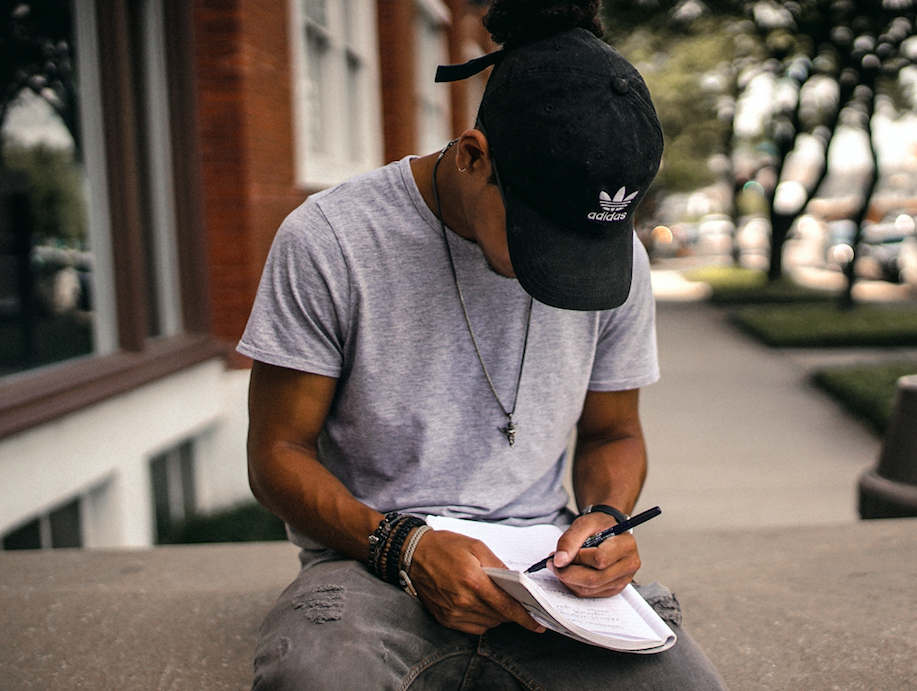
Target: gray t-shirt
358 287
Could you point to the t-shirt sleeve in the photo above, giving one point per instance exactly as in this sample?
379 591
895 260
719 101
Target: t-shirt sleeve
626 355
302 300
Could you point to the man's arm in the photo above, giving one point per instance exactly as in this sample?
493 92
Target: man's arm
287 410
609 467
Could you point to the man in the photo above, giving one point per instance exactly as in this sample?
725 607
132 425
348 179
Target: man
425 338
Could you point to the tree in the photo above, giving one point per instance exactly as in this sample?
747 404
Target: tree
36 55
55 193
36 58
825 61
681 52
798 73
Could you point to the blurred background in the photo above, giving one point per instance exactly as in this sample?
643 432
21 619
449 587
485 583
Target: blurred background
149 150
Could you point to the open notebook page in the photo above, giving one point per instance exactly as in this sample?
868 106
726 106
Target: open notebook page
519 548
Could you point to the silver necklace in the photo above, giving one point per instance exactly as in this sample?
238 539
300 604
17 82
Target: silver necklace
510 429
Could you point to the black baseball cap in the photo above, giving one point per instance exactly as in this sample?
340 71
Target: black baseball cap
575 143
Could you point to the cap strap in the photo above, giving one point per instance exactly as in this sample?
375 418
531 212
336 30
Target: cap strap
454 73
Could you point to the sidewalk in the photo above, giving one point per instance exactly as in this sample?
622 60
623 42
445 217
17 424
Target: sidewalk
737 437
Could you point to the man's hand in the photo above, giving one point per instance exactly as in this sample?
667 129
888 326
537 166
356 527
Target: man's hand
601 571
447 572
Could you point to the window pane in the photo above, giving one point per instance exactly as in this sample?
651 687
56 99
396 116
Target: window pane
432 98
317 11
317 49
159 475
353 109
26 537
186 473
349 18
174 493
65 526
45 259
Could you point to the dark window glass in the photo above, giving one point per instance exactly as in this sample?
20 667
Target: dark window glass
26 537
59 529
174 493
159 468
65 526
45 259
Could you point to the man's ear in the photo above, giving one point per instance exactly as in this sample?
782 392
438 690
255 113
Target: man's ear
473 153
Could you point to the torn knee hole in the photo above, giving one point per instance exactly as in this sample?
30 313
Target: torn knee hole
322 604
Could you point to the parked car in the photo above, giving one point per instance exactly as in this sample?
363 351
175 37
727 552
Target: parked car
907 261
879 252
839 243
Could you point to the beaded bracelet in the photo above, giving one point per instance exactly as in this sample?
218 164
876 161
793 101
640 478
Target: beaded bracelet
377 542
386 542
392 548
393 552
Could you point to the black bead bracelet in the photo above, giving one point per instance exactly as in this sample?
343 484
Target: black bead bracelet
386 542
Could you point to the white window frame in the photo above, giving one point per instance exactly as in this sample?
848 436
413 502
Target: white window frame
165 264
105 325
159 144
342 153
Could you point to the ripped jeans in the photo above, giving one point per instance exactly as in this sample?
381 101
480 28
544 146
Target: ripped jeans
338 628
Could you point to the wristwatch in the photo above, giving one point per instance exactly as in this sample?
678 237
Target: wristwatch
619 516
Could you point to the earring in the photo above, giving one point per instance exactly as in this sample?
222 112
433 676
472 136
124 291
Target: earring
462 170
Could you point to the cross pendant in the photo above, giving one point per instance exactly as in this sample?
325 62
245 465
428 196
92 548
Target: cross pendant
510 431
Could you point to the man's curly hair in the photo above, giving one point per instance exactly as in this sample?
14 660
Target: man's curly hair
514 22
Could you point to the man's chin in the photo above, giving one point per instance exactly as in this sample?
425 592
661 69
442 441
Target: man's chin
502 274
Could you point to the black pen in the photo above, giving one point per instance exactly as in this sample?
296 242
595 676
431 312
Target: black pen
599 538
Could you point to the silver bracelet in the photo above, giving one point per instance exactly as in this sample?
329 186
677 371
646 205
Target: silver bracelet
408 558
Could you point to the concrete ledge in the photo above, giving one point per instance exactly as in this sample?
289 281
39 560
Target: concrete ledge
169 619
816 608
798 608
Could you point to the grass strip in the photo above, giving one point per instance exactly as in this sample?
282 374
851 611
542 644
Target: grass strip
735 285
824 325
866 391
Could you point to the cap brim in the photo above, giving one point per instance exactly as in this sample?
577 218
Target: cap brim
585 269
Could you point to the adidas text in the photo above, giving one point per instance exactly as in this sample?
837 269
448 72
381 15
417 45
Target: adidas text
606 216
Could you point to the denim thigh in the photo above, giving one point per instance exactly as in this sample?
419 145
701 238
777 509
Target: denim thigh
337 627
557 663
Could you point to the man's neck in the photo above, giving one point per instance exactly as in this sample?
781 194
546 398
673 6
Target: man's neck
423 168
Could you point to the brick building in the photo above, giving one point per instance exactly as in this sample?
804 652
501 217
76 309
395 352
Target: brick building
194 127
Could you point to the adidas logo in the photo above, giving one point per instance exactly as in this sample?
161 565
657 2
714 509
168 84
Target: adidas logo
613 208
619 203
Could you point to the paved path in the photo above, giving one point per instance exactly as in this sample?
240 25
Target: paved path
737 436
